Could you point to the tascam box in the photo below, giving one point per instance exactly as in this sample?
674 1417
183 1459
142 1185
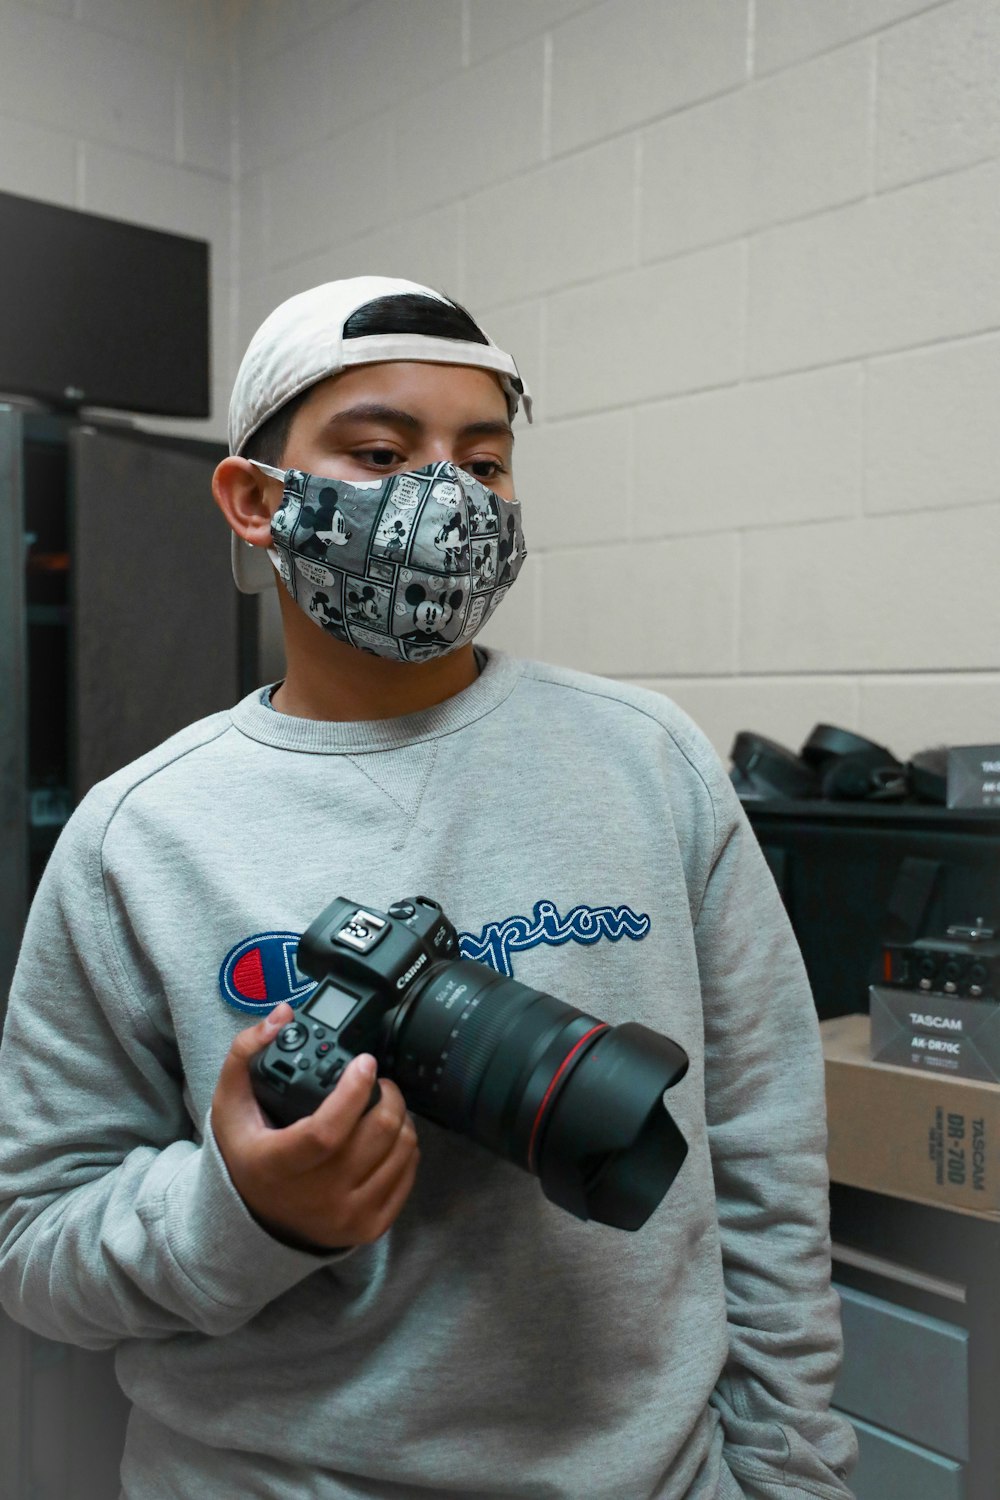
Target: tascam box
910 1133
937 1033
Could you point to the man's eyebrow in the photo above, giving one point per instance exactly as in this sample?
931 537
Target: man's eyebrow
488 429
374 411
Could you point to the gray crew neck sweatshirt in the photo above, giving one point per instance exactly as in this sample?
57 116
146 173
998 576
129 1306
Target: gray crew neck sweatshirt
584 838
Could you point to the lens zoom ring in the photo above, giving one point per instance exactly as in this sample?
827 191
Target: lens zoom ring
479 1031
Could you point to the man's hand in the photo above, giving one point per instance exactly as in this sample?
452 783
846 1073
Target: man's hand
337 1178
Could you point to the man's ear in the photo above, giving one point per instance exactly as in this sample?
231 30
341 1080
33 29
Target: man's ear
241 493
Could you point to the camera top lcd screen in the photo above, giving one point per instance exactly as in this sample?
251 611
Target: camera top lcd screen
331 1006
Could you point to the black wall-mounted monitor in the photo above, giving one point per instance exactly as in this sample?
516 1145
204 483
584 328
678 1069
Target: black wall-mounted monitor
98 312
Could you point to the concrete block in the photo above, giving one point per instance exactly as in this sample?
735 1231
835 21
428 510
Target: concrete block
161 195
165 26
254 302
786 31
898 270
57 73
425 248
696 177
642 609
667 328
628 61
225 355
811 131
207 113
494 28
932 436
381 54
880 594
56 7
568 222
330 193
786 710
922 710
769 452
938 101
514 626
252 251
574 480
37 162
261 31
481 126
774 151
284 104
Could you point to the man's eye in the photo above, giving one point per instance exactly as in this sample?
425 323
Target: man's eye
379 458
483 469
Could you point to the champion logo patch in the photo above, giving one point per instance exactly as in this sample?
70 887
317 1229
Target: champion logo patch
261 971
499 941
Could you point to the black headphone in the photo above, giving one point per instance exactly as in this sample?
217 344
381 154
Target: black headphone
836 765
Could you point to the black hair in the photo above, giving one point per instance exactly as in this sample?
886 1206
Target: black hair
403 312
412 312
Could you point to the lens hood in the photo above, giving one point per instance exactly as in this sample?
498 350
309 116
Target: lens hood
610 1149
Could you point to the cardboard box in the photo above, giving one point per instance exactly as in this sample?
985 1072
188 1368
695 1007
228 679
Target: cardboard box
919 1135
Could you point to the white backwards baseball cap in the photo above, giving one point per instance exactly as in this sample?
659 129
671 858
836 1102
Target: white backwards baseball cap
302 342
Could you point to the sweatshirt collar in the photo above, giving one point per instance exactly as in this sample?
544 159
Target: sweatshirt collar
259 721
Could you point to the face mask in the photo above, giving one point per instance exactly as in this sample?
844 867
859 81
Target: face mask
407 567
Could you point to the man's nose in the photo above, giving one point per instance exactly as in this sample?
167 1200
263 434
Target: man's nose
439 451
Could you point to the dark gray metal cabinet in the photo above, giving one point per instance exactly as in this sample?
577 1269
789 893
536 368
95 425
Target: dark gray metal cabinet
119 620
119 624
921 1317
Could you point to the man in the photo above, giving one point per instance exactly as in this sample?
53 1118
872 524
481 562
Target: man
329 1309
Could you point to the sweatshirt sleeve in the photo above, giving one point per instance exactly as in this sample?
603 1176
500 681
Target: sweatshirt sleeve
766 1115
115 1221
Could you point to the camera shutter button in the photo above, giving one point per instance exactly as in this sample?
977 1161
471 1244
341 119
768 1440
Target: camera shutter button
403 910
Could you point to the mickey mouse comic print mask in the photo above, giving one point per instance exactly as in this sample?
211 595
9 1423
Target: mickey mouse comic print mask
408 567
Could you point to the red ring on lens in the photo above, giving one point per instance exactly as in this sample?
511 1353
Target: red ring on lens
602 1026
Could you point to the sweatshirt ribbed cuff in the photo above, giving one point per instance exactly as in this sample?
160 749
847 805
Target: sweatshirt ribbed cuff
218 1244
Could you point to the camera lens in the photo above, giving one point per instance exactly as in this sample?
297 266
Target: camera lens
560 1093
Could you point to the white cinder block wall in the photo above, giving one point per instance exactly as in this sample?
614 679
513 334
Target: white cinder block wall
747 253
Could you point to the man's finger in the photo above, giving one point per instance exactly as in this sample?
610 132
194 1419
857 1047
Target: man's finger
234 1092
388 1189
377 1135
308 1142
253 1039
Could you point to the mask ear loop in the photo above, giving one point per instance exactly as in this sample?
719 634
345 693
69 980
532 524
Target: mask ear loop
268 469
272 473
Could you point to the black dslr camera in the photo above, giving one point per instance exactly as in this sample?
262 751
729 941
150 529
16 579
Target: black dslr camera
574 1101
